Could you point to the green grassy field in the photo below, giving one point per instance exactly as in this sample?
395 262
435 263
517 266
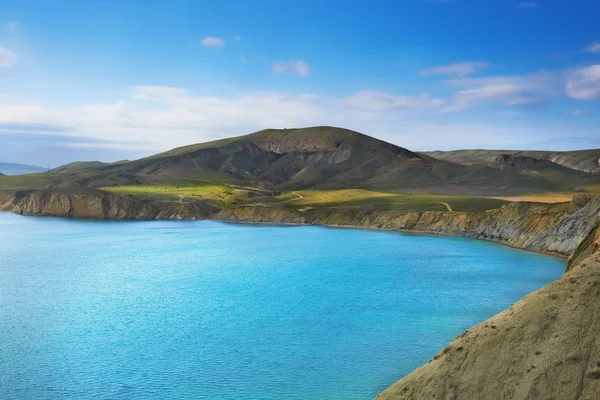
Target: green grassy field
217 194
223 194
29 181
357 198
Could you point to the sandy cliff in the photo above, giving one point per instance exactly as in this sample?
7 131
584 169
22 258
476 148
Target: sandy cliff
546 346
551 228
98 204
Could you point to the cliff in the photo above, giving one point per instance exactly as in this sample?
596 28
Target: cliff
98 204
550 228
546 346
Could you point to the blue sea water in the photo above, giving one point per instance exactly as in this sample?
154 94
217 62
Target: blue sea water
208 310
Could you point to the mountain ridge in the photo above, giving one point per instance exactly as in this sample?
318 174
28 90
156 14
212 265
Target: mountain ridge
581 160
320 157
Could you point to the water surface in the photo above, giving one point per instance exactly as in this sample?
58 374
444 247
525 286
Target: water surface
207 310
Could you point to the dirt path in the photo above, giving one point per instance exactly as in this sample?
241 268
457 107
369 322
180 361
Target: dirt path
446 204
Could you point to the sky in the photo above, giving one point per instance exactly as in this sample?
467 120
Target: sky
110 80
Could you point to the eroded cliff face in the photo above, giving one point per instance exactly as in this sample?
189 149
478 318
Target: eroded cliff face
546 346
98 204
260 214
551 228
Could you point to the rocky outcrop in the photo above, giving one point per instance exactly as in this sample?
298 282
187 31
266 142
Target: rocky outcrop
515 161
550 228
546 346
260 214
98 204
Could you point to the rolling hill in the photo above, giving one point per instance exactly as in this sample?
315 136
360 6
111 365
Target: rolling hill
316 158
580 160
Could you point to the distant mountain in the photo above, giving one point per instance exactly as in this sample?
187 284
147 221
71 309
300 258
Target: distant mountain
581 160
19 169
83 165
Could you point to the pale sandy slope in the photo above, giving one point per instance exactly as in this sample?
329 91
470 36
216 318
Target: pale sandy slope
546 346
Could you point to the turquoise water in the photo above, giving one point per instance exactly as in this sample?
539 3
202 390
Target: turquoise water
207 310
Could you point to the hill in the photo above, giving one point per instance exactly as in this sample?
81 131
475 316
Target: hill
318 158
580 160
19 169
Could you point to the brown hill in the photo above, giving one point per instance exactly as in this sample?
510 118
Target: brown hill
580 160
317 158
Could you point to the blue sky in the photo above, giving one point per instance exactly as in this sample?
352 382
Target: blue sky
121 79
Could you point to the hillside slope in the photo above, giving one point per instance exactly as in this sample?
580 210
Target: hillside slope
316 157
581 160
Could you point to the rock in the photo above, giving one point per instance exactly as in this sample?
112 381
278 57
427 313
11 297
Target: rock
98 204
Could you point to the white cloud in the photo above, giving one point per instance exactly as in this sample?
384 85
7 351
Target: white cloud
528 4
163 117
211 41
458 69
7 58
593 48
157 118
377 101
584 83
237 37
298 67
511 91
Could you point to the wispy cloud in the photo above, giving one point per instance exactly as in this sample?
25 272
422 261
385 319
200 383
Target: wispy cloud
510 91
578 113
150 111
214 42
7 58
457 69
528 4
593 48
584 83
298 67
139 121
237 37
377 101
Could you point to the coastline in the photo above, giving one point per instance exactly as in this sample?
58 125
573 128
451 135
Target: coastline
409 231
517 336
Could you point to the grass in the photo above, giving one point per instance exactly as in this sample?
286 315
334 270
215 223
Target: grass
29 181
357 198
222 195
541 197
217 194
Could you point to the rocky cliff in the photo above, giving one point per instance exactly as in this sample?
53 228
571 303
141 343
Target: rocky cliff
550 228
98 204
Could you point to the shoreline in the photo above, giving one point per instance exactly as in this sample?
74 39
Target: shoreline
358 227
531 227
409 231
